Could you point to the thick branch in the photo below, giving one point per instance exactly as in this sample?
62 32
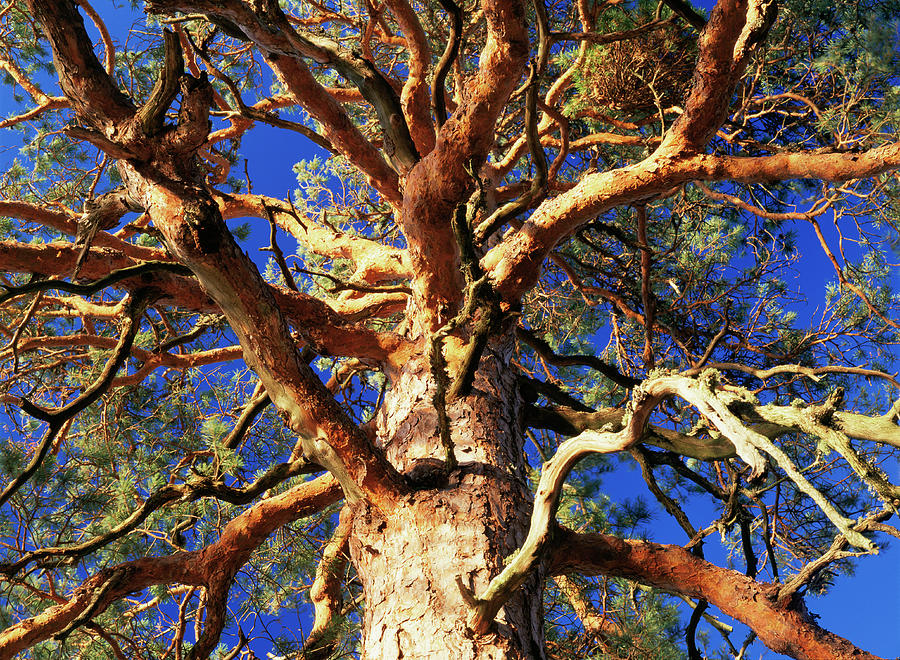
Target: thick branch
515 263
92 92
672 568
441 180
196 234
152 114
224 557
572 422
725 44
484 606
700 394
329 332
414 95
283 47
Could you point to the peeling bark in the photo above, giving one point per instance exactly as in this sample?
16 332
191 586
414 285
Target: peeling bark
441 180
409 561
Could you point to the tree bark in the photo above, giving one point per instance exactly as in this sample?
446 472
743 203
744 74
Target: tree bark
409 562
787 629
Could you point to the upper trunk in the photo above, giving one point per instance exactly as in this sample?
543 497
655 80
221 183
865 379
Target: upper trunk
410 561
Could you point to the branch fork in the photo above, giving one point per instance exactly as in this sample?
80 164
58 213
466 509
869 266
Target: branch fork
704 395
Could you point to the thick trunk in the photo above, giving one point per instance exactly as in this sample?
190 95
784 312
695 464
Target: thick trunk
409 561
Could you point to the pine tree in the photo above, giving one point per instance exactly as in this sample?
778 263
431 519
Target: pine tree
534 359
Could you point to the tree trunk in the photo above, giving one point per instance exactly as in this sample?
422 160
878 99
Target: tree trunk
410 561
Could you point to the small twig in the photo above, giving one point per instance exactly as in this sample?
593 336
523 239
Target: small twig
712 343
276 251
14 340
834 553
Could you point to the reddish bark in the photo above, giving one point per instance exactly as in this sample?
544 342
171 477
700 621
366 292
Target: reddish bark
787 629
441 181
325 329
411 519
222 558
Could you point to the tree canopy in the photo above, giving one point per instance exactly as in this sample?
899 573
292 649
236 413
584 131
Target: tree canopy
575 335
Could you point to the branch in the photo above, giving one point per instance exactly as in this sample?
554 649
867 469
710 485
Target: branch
699 393
835 553
813 373
734 29
283 46
538 158
252 409
94 95
647 297
414 95
375 261
58 418
543 349
484 607
151 115
821 422
325 592
441 180
611 37
672 568
67 223
514 264
276 251
438 92
197 235
687 12
224 557
138 270
328 331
